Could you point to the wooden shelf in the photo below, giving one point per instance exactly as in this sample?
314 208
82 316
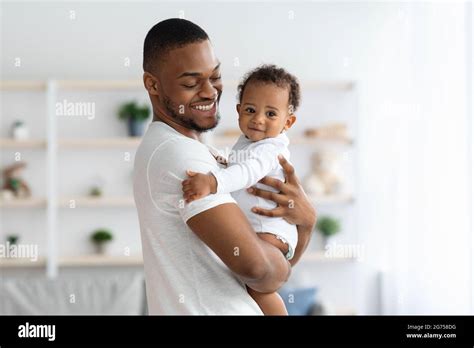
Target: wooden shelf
107 143
23 203
335 85
76 261
320 141
321 256
100 260
6 143
74 143
23 85
101 84
332 199
92 202
22 263
225 140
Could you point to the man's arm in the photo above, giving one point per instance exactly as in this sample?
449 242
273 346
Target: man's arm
227 232
293 205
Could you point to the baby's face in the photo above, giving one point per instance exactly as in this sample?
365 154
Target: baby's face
264 111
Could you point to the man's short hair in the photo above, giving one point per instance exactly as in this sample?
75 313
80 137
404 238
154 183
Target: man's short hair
167 35
271 74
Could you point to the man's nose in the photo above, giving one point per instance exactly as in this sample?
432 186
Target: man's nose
208 91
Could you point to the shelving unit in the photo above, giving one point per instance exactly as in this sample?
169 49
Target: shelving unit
53 204
134 260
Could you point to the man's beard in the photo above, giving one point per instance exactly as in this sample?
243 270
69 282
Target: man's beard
186 121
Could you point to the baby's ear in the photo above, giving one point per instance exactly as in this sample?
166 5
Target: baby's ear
290 121
237 107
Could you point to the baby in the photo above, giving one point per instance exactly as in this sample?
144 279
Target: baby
268 97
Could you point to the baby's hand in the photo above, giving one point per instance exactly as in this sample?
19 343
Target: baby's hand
198 186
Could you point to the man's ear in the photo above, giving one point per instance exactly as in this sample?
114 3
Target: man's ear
151 83
289 121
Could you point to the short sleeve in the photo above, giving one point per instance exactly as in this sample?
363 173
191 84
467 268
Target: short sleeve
167 170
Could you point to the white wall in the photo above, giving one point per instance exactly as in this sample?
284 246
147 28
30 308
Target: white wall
410 65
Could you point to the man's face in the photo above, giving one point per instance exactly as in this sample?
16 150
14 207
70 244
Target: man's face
191 86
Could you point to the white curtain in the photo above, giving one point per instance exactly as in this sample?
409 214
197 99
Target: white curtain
415 179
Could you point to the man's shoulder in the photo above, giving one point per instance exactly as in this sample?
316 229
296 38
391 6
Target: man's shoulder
164 144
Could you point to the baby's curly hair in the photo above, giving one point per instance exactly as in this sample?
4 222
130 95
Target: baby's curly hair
270 73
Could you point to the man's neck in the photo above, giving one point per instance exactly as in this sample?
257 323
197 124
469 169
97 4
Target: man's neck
190 133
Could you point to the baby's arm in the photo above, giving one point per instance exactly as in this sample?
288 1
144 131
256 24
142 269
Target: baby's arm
236 177
198 186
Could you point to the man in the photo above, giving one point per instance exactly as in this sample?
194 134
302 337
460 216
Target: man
198 257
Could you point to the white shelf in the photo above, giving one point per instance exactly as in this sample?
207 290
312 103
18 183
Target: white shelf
6 143
23 203
99 143
93 202
321 256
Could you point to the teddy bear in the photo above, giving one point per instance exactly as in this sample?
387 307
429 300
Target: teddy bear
324 178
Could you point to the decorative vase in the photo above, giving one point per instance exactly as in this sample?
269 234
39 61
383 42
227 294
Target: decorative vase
325 241
101 248
135 128
20 131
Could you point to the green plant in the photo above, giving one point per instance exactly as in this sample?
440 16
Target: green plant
95 191
132 110
328 226
12 239
101 236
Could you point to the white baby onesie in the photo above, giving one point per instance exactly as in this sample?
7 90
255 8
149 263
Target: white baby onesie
248 163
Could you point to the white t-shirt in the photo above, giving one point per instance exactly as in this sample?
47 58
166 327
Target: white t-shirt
249 162
183 275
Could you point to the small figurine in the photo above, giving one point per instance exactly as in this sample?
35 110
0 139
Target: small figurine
13 182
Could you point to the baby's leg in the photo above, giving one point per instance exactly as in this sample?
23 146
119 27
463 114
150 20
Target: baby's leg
270 303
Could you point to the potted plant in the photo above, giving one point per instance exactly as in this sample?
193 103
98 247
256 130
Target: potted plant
136 116
95 191
328 227
19 131
100 238
12 240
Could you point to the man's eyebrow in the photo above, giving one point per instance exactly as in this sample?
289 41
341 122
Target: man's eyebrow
196 74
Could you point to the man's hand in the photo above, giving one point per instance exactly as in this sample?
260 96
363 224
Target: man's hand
198 186
292 204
